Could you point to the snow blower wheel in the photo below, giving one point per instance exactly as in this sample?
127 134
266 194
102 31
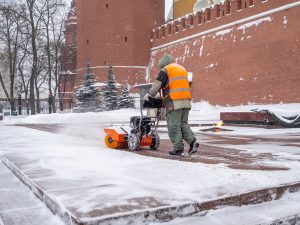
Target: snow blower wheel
133 141
111 143
155 142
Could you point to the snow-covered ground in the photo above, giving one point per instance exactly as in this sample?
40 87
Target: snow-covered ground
77 170
19 206
201 111
85 176
265 213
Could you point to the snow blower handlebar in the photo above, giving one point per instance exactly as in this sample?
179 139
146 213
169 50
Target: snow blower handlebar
153 103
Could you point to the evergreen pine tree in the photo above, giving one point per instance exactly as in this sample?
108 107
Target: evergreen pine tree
125 100
86 97
110 91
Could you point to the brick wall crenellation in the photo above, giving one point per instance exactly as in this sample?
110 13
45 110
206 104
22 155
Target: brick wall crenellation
219 14
253 58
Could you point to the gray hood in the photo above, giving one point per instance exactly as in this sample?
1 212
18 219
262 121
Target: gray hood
165 60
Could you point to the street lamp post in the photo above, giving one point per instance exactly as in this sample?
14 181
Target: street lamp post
20 103
50 104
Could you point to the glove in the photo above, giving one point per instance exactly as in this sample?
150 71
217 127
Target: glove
146 97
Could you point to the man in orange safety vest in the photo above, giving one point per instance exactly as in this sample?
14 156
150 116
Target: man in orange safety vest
173 81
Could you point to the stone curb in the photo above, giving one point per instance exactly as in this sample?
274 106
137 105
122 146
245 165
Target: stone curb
158 215
56 208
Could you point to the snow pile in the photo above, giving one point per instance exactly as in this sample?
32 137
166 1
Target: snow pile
204 111
107 117
200 111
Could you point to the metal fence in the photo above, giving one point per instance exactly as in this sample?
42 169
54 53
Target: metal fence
22 106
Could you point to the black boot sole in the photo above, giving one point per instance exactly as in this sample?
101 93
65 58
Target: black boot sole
195 149
178 155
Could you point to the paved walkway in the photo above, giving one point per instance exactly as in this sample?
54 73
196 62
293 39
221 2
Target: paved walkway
236 152
285 210
19 206
239 152
79 174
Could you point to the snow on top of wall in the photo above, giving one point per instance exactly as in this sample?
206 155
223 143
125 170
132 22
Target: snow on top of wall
68 72
72 22
115 66
223 32
255 23
269 12
72 18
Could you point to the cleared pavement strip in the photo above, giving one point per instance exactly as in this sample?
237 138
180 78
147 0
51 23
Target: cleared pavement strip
161 214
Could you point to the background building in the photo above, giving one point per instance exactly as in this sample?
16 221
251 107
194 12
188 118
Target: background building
183 7
238 52
116 33
69 59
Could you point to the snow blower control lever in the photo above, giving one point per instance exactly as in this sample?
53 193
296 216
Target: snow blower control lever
142 130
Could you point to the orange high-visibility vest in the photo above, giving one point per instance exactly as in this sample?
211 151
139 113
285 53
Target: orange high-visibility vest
178 82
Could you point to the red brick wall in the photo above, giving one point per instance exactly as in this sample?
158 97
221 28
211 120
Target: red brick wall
258 64
116 33
131 75
68 57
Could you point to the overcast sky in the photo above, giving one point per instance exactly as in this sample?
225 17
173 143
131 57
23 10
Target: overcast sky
168 5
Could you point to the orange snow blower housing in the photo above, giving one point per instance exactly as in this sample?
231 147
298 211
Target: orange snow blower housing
115 138
141 133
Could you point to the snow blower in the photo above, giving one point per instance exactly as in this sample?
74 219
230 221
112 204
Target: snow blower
142 132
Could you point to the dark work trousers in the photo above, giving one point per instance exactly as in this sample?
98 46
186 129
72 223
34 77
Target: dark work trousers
179 128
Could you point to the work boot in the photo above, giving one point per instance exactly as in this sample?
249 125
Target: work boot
177 153
193 147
